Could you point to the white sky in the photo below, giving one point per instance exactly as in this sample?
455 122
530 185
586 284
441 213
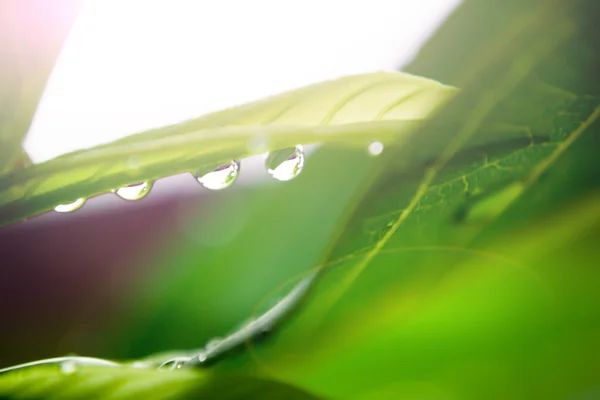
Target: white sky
130 65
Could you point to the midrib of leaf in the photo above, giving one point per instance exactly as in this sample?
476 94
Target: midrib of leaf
395 104
337 107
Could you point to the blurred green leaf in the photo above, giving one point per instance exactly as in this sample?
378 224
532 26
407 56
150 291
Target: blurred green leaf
132 383
514 318
31 36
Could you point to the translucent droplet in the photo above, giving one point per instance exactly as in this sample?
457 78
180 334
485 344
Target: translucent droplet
375 148
173 364
285 164
136 191
77 204
219 178
68 367
202 357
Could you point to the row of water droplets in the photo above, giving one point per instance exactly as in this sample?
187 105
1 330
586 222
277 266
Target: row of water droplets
283 165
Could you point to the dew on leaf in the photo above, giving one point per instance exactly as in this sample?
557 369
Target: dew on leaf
70 207
202 357
285 164
173 364
135 191
68 367
375 148
220 177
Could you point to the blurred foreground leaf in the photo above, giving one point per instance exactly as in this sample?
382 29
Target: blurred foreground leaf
130 383
32 33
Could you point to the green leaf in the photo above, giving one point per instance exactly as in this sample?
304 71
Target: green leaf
28 56
350 111
122 383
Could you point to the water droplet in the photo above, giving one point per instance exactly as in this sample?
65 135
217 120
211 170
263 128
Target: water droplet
68 367
285 164
77 204
375 148
202 357
219 178
135 191
173 364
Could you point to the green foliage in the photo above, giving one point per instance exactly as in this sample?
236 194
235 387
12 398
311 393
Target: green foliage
461 263
27 60
130 383
348 111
